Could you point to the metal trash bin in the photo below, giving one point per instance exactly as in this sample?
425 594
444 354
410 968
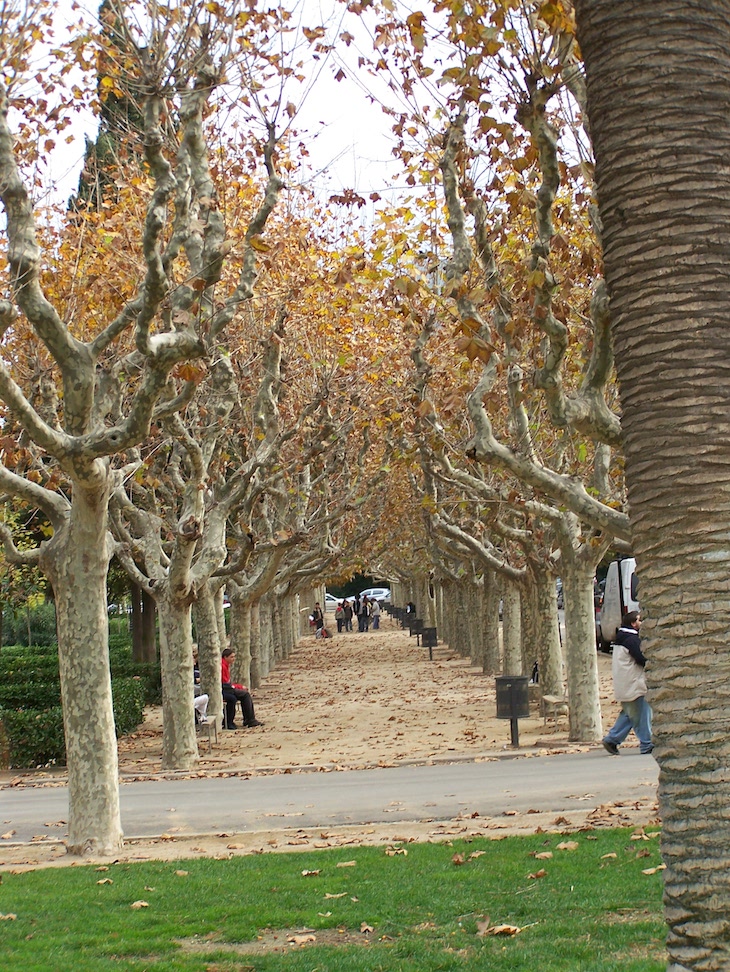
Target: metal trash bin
513 701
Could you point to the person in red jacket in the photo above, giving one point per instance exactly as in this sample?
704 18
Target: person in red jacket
235 693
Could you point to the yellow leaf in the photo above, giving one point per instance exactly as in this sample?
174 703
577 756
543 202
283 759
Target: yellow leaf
653 870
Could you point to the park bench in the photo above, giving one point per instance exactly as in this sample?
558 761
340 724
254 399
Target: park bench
209 726
554 706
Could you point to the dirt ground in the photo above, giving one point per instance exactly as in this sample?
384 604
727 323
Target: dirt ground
351 702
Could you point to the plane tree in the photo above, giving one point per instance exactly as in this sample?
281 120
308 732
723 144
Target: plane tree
83 388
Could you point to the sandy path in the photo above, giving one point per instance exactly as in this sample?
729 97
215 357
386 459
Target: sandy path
354 701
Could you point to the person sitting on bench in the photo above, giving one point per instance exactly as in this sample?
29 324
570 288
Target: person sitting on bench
235 693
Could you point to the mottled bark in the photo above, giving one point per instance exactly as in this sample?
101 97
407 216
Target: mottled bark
549 652
76 561
209 651
580 651
491 662
144 631
179 743
511 629
241 636
255 629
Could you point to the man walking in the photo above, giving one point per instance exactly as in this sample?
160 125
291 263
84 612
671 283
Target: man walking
629 687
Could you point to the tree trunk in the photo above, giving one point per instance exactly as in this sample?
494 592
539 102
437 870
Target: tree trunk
529 626
76 560
144 646
549 652
658 84
511 630
241 637
255 645
490 625
266 649
209 652
580 651
179 744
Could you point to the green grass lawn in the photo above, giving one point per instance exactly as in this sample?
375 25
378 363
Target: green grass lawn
408 908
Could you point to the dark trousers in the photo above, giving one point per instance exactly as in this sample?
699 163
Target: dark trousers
231 697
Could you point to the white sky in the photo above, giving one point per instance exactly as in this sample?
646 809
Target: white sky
349 138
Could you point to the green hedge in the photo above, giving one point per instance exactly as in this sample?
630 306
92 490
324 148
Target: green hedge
33 738
29 677
29 738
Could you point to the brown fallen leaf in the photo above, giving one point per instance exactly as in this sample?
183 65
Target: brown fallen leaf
347 864
105 881
9 917
538 874
543 855
568 845
342 894
310 873
181 873
457 859
610 856
485 928
365 928
475 854
139 904
301 939
8 835
653 870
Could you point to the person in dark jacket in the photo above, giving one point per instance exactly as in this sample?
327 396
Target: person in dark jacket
629 687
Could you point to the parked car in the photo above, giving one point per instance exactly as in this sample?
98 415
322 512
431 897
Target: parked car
331 602
381 594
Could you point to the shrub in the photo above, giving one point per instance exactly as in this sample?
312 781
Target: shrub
29 738
42 620
129 700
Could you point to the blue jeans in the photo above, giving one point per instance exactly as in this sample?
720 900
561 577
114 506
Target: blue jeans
635 715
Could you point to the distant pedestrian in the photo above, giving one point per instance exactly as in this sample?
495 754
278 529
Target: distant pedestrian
375 614
317 617
347 608
340 616
629 688
363 615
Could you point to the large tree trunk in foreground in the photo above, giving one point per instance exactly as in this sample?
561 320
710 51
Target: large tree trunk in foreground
76 560
659 88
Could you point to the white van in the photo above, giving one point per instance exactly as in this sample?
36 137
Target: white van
621 594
